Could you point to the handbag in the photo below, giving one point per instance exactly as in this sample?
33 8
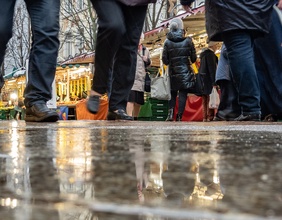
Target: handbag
160 86
147 86
214 99
198 88
137 2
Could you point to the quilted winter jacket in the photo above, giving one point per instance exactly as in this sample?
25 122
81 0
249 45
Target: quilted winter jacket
176 53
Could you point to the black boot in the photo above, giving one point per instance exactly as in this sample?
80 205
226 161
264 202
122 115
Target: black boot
170 115
179 117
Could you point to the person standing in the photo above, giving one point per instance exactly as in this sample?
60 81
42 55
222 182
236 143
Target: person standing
269 69
178 53
238 24
44 17
119 31
208 65
228 109
136 96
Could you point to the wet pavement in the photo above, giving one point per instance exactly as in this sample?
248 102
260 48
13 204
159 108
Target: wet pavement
140 170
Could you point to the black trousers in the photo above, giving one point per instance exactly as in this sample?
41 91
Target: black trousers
44 17
182 97
119 31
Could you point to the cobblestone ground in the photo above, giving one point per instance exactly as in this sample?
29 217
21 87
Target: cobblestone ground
140 170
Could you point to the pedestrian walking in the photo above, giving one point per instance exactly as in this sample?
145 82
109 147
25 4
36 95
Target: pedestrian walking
119 31
238 24
208 66
136 96
178 53
44 17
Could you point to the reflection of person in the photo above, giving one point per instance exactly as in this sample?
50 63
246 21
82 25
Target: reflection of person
136 96
44 15
119 31
238 24
178 52
208 66
178 181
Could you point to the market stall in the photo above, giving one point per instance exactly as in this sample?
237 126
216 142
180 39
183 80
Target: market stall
73 82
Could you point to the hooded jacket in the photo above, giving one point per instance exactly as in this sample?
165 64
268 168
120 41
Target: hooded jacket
229 15
176 53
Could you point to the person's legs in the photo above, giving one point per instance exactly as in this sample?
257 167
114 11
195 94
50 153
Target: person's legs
136 110
239 45
129 108
269 68
6 25
125 60
171 105
205 105
182 97
110 34
45 28
228 108
44 16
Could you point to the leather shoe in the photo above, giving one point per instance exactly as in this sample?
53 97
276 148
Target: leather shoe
217 117
120 114
249 117
40 113
93 104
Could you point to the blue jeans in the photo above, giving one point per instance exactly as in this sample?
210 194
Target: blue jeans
119 32
44 17
239 45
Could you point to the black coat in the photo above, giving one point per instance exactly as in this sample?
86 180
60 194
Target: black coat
227 15
208 66
176 53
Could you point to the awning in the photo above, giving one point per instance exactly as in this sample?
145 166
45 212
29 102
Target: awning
15 73
80 59
195 18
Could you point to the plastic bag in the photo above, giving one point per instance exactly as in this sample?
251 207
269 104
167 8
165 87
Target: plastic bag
214 99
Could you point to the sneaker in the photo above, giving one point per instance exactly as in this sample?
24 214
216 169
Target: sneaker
40 113
249 117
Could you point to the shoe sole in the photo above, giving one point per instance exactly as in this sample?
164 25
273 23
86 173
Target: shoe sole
48 118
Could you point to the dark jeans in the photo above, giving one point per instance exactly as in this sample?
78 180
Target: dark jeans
228 106
239 45
182 97
118 36
44 16
268 54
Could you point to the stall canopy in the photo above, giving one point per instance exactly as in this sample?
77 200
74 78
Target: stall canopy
15 73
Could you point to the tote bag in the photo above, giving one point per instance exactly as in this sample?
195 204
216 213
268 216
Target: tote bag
160 86
137 2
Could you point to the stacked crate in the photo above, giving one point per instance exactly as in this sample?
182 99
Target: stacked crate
159 109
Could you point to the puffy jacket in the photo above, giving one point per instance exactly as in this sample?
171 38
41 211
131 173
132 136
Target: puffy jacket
227 15
176 53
